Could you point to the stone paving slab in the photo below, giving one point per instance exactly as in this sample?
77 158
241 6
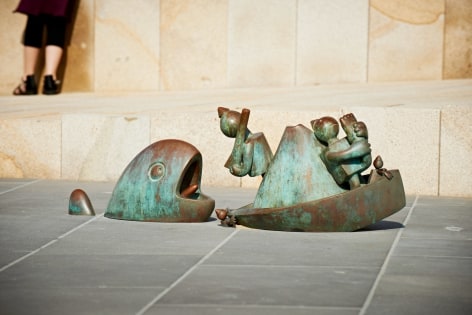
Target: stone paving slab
417 261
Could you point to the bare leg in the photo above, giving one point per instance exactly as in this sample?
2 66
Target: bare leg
30 60
53 58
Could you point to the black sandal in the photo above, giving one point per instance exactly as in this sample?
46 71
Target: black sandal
50 86
26 87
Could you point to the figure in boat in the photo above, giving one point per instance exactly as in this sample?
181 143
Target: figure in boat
345 158
251 153
314 181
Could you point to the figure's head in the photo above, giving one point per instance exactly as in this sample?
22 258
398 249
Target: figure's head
325 128
229 121
347 123
360 129
347 120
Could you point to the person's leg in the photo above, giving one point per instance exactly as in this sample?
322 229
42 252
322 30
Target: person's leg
30 60
56 31
53 58
32 41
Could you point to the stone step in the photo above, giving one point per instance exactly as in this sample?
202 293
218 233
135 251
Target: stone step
422 128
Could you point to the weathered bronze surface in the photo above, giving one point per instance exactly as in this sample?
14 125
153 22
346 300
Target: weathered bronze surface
344 158
251 153
162 184
79 203
348 211
314 182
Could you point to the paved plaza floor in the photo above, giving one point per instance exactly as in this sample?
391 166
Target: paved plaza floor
418 261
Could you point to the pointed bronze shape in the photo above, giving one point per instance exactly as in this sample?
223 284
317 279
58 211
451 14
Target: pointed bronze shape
378 162
221 213
79 203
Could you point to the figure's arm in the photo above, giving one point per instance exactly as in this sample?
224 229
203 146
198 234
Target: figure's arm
244 167
357 149
241 134
242 152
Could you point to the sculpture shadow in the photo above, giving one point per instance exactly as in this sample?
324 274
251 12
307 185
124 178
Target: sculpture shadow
382 225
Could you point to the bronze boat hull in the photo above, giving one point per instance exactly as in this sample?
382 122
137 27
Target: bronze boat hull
345 212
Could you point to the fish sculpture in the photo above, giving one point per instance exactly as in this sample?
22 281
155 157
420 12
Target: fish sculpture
79 203
162 184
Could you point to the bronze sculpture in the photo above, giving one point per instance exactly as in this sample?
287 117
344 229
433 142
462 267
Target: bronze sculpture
344 158
314 182
162 184
251 153
79 203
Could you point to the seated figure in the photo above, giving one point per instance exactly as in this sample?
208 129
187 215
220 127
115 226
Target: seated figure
356 132
344 158
251 154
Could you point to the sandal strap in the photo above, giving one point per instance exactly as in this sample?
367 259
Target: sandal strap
27 86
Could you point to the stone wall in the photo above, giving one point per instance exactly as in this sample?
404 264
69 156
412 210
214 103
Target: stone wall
208 44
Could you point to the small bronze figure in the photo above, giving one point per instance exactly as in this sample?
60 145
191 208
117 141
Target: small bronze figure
251 153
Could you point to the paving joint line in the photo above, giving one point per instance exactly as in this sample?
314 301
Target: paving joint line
20 186
48 244
383 269
186 274
259 306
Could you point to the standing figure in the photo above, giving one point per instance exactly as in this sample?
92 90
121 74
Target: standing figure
251 153
52 16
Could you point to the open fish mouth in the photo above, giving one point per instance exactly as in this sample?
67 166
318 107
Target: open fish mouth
188 186
162 184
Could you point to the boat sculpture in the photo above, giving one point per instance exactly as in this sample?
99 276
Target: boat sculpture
314 181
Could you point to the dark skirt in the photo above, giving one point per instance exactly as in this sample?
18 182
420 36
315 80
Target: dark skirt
60 8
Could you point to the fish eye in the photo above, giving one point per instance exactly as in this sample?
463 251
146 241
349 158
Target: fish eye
156 171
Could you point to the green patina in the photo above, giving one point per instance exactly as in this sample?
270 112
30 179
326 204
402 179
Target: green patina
314 181
149 189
